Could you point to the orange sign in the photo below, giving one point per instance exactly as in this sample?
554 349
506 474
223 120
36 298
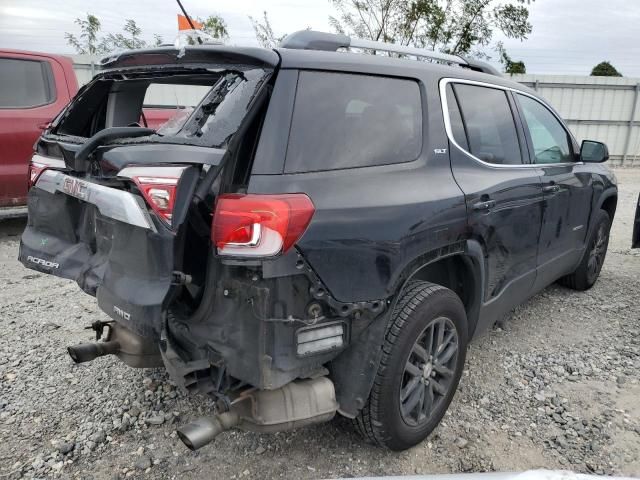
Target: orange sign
183 23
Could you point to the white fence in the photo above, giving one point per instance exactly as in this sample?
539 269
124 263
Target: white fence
595 108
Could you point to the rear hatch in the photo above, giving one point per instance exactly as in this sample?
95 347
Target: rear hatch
113 203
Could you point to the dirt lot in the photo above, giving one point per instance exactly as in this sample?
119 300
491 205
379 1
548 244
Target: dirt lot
555 386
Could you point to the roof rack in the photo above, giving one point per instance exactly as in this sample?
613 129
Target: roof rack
331 42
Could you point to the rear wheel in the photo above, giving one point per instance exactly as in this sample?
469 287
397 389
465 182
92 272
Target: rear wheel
585 276
422 360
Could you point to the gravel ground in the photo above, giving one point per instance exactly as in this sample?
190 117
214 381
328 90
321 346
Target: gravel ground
555 385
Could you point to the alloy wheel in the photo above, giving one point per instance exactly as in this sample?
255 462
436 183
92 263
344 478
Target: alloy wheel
429 371
597 251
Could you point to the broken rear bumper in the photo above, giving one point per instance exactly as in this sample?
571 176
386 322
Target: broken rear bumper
127 267
252 326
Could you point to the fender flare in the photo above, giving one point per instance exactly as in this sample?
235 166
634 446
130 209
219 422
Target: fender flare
354 370
606 194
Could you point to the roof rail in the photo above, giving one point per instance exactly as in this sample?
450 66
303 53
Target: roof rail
312 40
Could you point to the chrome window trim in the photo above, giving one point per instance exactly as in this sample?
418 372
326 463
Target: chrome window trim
117 204
447 122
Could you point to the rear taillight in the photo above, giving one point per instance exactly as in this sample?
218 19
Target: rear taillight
35 170
256 225
160 194
158 185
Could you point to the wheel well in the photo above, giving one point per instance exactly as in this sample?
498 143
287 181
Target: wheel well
457 273
609 205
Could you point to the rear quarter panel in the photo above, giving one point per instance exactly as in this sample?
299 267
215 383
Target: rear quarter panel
372 223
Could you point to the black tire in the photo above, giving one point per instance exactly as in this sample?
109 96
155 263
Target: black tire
422 308
588 271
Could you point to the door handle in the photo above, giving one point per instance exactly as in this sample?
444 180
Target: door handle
488 205
551 188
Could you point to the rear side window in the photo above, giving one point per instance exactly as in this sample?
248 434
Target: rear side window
489 124
348 120
25 83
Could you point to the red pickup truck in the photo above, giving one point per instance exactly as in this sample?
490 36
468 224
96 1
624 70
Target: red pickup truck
34 87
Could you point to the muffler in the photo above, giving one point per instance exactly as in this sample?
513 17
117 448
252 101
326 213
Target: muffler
297 404
132 349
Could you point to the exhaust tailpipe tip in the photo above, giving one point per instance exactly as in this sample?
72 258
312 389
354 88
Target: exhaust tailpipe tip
202 431
85 352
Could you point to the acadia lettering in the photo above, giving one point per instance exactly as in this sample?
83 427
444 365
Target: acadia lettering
43 262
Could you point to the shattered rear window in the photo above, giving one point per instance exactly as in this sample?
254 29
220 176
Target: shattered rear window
202 107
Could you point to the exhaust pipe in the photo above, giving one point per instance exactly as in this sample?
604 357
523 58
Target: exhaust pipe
133 349
297 404
203 430
85 352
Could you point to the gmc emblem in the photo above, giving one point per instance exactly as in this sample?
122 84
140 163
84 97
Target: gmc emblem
75 188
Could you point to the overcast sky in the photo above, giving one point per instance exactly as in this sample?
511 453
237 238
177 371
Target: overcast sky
569 36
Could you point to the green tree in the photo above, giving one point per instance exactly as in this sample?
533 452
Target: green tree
515 68
87 42
215 26
128 40
264 32
90 42
605 69
457 27
510 67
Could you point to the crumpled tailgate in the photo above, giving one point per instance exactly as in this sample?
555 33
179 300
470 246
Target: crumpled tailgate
127 267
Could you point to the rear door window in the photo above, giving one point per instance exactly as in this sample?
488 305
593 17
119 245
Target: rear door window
25 83
489 124
343 120
455 119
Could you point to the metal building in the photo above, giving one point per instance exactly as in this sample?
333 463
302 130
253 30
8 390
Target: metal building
596 108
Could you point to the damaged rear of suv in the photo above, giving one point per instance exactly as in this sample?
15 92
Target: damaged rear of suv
199 275
295 241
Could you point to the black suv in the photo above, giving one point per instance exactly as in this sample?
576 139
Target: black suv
314 231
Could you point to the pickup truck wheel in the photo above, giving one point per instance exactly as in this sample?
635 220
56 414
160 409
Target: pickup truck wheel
585 276
422 359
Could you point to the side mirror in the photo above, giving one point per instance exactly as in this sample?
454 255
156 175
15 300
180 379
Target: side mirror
593 152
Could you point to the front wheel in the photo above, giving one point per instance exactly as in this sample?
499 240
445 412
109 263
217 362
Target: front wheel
423 356
585 276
